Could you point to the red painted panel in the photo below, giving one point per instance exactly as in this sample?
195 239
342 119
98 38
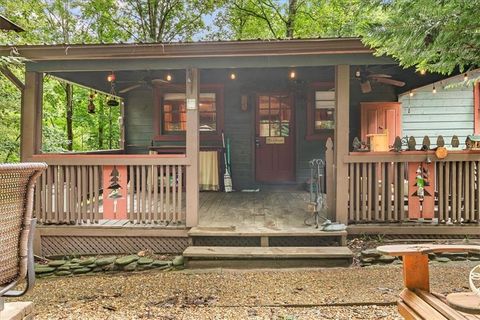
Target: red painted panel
421 207
115 192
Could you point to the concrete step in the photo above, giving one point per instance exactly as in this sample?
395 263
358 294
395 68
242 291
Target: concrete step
206 236
266 257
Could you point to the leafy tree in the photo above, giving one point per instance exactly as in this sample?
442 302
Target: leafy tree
433 35
156 20
266 19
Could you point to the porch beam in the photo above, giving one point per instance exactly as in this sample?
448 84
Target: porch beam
192 146
172 63
12 77
341 146
31 116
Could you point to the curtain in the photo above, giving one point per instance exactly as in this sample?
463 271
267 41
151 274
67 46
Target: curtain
209 171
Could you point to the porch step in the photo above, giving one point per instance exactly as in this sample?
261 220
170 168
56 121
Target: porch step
265 237
266 257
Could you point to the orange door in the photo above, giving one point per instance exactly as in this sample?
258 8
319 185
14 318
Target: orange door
379 116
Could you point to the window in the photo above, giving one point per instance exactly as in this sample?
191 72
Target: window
174 113
274 116
321 111
324 110
170 118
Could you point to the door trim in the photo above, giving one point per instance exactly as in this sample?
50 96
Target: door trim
291 96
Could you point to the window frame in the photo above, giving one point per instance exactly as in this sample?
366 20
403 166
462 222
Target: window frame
158 96
312 133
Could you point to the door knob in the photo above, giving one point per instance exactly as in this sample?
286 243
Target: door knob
257 142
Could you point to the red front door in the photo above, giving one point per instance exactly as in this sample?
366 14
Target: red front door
274 138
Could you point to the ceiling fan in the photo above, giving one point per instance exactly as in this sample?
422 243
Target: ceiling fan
147 82
366 77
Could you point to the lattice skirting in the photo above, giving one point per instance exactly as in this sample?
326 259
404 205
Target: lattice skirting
78 245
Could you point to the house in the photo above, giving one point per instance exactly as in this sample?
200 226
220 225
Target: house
280 103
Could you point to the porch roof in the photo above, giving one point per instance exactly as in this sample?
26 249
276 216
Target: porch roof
188 49
202 54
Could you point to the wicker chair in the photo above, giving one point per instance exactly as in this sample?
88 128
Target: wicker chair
17 226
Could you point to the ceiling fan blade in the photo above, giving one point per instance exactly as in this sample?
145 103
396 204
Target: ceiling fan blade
130 88
158 80
379 75
365 86
391 82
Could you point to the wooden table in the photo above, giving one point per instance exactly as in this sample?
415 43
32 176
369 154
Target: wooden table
417 302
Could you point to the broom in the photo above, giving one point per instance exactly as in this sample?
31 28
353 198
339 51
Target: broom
227 179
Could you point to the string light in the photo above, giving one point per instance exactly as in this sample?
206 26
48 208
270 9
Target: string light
423 72
434 90
169 77
233 76
411 94
292 74
465 77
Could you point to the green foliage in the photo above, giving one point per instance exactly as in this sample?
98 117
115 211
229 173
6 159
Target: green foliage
9 122
90 131
266 19
433 35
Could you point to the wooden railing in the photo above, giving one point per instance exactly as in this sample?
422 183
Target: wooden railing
382 187
79 189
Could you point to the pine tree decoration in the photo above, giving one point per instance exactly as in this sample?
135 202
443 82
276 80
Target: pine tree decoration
114 185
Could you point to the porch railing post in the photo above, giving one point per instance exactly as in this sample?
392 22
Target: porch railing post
31 116
342 130
330 179
192 147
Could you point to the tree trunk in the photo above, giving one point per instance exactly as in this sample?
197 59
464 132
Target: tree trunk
292 12
69 94
101 125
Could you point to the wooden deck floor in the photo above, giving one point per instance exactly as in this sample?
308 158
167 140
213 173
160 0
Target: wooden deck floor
264 209
278 209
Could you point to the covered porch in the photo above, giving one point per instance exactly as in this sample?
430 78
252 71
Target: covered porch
280 104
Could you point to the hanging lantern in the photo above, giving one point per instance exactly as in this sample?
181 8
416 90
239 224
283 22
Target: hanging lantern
111 77
91 105
112 102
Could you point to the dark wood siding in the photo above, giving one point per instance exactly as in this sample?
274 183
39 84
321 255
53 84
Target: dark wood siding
239 125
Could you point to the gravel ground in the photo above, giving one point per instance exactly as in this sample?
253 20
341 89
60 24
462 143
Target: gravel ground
333 293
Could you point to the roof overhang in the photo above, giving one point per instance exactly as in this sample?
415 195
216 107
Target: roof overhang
6 24
205 49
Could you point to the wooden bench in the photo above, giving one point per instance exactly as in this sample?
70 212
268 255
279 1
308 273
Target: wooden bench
416 300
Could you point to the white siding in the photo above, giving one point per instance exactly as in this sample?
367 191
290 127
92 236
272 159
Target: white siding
448 112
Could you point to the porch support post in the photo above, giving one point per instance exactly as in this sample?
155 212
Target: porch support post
341 146
193 147
31 116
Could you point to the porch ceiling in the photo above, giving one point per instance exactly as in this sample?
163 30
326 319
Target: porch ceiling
245 76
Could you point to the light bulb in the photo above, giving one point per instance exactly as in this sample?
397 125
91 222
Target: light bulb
465 77
292 75
169 77
423 72
233 76
411 93
434 90
111 77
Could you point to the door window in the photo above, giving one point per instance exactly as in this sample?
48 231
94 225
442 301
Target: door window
274 116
